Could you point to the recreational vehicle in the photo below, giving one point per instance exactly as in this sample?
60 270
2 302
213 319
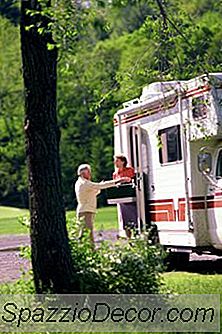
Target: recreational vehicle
172 136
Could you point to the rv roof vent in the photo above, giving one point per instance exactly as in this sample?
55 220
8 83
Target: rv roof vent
157 88
130 103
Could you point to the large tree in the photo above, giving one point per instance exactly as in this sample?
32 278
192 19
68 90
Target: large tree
51 256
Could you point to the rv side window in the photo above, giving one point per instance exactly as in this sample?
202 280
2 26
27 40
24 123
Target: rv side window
219 166
170 144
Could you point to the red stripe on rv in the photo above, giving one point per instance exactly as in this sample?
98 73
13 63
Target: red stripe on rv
197 206
195 203
181 212
196 92
218 193
214 204
155 201
155 110
159 216
162 212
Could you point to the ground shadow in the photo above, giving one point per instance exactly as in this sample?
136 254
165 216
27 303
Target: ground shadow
204 267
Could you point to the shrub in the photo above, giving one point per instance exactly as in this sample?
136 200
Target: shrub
126 267
123 267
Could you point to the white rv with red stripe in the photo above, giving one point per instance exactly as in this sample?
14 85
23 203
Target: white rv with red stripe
172 136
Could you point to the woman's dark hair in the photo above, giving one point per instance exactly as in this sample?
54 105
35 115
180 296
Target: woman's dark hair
123 159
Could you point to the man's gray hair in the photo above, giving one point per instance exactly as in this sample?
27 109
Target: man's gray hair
82 167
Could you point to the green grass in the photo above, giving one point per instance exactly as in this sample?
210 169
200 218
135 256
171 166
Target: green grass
9 220
175 282
192 283
106 219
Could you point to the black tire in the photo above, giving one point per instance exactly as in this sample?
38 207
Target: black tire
177 260
154 236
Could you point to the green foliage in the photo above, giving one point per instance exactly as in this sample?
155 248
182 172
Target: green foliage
12 153
24 285
126 16
121 267
124 267
9 9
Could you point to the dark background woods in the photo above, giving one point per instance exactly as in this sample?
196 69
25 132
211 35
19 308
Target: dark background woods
124 45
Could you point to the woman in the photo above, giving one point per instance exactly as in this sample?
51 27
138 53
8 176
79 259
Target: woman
128 210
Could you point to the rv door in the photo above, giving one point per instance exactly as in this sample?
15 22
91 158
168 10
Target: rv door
139 162
214 203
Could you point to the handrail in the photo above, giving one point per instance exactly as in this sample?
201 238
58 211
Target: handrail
211 180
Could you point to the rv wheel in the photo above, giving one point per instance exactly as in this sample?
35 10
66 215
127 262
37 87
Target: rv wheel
154 236
177 260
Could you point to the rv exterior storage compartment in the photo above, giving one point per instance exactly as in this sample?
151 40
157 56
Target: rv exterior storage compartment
125 193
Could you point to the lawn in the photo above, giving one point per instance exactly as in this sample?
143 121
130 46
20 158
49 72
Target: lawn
9 220
192 283
106 219
174 282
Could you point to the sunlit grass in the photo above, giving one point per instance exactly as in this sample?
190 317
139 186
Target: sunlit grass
106 219
176 282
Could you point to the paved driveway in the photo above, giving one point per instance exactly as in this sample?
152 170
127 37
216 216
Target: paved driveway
11 264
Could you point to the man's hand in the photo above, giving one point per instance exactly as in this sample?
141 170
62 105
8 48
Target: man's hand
125 179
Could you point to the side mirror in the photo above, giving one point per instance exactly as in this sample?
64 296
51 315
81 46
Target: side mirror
204 162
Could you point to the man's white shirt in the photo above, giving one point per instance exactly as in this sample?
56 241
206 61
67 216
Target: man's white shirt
86 192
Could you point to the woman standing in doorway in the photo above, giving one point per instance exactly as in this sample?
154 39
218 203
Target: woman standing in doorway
128 210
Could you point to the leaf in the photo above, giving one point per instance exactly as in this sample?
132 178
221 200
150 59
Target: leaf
51 46
27 28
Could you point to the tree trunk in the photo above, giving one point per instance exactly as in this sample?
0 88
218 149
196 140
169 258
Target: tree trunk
51 256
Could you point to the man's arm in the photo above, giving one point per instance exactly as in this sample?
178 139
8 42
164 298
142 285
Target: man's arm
102 185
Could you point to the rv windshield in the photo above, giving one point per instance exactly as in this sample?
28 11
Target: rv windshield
219 166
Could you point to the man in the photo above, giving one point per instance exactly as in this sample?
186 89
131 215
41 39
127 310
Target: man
128 211
86 192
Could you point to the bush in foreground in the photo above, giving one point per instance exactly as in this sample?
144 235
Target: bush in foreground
122 267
